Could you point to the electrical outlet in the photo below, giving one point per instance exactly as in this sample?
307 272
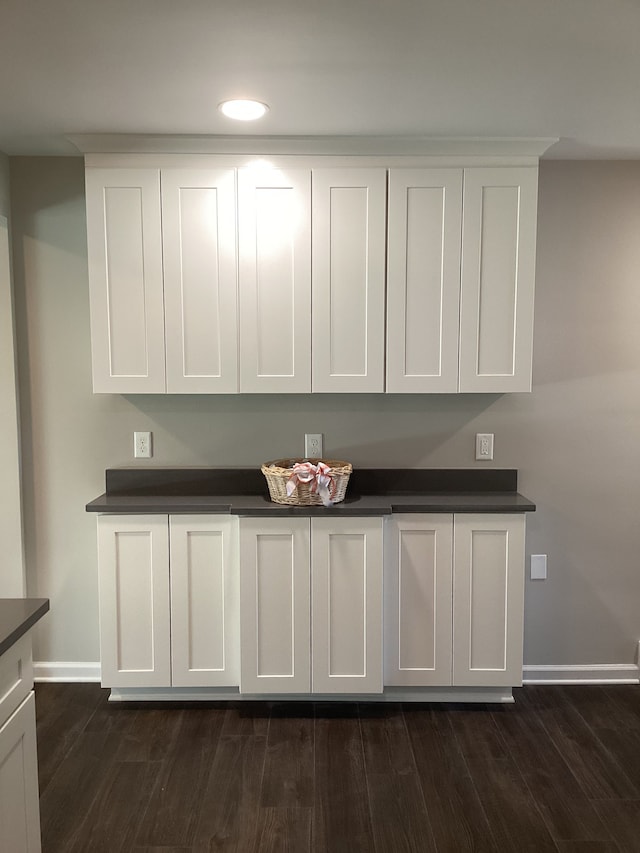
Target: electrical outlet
484 446
538 567
313 445
142 445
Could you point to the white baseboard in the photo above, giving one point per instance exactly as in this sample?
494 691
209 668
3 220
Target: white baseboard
614 673
611 673
66 671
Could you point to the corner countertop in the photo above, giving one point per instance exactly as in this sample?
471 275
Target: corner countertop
17 615
371 492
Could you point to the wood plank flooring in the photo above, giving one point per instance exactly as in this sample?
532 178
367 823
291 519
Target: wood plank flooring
557 771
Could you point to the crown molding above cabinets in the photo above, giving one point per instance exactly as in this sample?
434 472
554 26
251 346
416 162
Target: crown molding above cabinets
115 143
310 272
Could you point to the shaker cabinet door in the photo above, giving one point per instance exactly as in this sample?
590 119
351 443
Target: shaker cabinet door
205 610
274 238
418 600
498 279
488 592
275 626
346 568
200 271
349 220
423 280
124 242
133 570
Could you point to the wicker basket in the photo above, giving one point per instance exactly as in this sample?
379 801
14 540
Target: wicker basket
279 471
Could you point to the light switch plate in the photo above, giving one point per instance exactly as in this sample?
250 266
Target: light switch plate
538 567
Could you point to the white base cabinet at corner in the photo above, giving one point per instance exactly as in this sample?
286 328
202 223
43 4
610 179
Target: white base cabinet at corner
311 605
454 590
19 803
168 601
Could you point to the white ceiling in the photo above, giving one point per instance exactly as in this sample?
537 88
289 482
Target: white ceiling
409 68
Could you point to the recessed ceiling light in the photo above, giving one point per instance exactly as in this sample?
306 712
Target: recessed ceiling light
243 110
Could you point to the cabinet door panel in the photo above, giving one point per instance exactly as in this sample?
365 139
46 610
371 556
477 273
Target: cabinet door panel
133 567
488 600
275 630
19 804
349 213
200 270
125 280
16 676
274 234
498 278
347 605
418 600
423 282
204 602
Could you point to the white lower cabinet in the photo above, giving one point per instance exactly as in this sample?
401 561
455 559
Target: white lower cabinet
204 601
168 601
19 802
454 590
311 605
294 605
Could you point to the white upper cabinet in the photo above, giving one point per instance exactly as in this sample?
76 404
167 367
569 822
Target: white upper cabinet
274 238
200 272
498 277
310 274
461 270
423 289
349 218
124 242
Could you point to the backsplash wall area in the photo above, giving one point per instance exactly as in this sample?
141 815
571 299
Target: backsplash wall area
573 439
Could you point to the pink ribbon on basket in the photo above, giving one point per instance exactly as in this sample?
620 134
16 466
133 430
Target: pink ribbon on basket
319 476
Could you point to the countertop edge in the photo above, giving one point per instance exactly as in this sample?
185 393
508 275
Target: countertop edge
258 505
18 628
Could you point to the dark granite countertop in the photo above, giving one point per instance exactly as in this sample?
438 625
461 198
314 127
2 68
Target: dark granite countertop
371 492
17 615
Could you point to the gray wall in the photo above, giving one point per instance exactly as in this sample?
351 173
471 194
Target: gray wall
574 439
4 185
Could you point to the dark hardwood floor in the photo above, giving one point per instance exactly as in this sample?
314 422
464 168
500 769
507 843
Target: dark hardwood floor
557 771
